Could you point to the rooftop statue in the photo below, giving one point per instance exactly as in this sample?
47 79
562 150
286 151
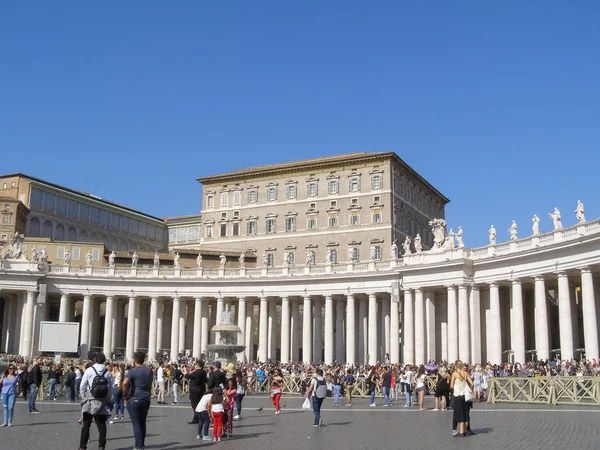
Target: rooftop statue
579 213
536 225
513 231
556 219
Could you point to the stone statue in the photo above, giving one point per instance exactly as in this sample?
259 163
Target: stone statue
417 243
88 258
449 243
309 258
394 250
536 225
372 253
513 231
35 254
111 259
43 256
222 260
156 260
134 259
350 254
328 256
176 261
199 261
579 212
67 257
16 247
556 219
406 246
242 259
286 258
439 235
226 315
459 237
492 233
265 259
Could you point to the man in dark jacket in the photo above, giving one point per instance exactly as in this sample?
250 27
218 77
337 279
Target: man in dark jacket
197 385
35 381
217 378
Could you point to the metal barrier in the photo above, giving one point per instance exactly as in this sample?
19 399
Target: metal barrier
546 390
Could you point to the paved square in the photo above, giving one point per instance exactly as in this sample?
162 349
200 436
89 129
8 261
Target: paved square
357 427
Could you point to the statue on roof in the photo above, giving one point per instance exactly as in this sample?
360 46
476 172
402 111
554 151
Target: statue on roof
199 261
88 258
111 259
134 259
556 219
513 231
156 260
536 225
417 244
438 231
242 259
579 212
176 261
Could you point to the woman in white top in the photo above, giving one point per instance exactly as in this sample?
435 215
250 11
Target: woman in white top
420 380
459 381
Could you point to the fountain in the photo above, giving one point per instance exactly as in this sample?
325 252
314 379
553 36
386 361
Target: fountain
226 336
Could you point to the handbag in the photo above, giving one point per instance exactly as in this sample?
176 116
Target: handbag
468 393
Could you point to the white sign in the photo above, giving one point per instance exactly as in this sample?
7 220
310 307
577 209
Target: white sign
59 337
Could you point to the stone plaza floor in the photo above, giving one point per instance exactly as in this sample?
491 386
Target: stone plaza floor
357 427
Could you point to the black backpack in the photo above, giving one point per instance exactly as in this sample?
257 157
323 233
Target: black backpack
321 390
100 386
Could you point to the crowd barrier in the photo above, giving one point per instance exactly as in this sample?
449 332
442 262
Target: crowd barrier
546 390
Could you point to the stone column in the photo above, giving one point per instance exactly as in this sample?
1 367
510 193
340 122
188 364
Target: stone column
564 317
63 314
130 344
362 331
340 348
175 330
295 326
204 327
182 316
108 326
452 325
263 332
318 332
372 329
329 344
153 330
197 337
394 332
517 324
28 314
420 327
160 326
408 329
350 330
494 350
86 318
136 326
430 325
7 328
285 330
590 323
464 344
271 349
542 343
475 316
385 325
241 322
219 310
250 331
306 331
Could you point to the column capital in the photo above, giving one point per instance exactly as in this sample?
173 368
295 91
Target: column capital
539 278
418 290
462 287
515 281
241 298
584 269
475 287
450 287
493 284
561 274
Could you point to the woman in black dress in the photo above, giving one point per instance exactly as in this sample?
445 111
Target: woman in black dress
442 389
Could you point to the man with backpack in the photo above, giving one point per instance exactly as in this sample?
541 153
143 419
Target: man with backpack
96 400
318 389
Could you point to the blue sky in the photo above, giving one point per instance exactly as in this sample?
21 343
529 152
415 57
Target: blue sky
495 103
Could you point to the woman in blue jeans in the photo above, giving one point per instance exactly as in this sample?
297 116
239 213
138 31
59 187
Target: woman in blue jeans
118 376
9 393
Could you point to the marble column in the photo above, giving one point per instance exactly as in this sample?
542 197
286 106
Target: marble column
452 325
86 317
241 322
564 317
7 328
160 320
130 343
182 317
204 327
295 326
306 331
28 313
329 336
350 330
372 329
430 325
318 332
493 331
250 331
394 331
63 313
220 308
475 321
385 325
94 334
285 330
107 345
464 343
271 327
153 329
118 327
175 330
408 329
590 323
340 332
542 343
420 327
263 332
517 323
197 333
363 326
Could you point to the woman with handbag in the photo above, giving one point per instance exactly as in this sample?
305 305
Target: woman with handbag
462 385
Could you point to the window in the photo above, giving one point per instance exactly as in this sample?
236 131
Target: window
333 256
376 215
312 206
354 184
252 196
290 224
75 253
224 215
237 197
312 189
5 218
210 201
291 258
376 199
290 191
270 225
73 209
4 237
104 218
332 220
60 253
235 230
271 193
355 254
354 218
114 221
49 201
4 186
376 181
251 227
37 197
311 222
95 254
270 259
236 214
333 187
333 203
354 201
12 184
209 231
223 230
224 199
61 205
377 252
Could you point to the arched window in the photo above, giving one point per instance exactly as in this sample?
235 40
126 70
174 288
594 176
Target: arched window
59 233
47 230
71 234
83 235
34 227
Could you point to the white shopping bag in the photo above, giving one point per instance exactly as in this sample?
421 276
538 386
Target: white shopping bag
306 405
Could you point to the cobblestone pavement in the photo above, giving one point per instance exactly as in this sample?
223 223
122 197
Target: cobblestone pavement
357 427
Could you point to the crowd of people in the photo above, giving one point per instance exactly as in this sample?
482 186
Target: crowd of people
105 390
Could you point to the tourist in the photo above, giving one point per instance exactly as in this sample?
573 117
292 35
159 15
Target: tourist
160 378
70 384
408 379
137 386
52 379
349 384
460 407
78 376
337 387
318 389
373 381
24 384
9 381
386 386
197 386
35 381
241 385
217 377
477 382
276 386
217 411
118 377
420 381
176 379
442 389
96 401
203 412
228 403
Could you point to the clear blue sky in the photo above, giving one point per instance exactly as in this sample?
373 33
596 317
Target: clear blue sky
495 103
